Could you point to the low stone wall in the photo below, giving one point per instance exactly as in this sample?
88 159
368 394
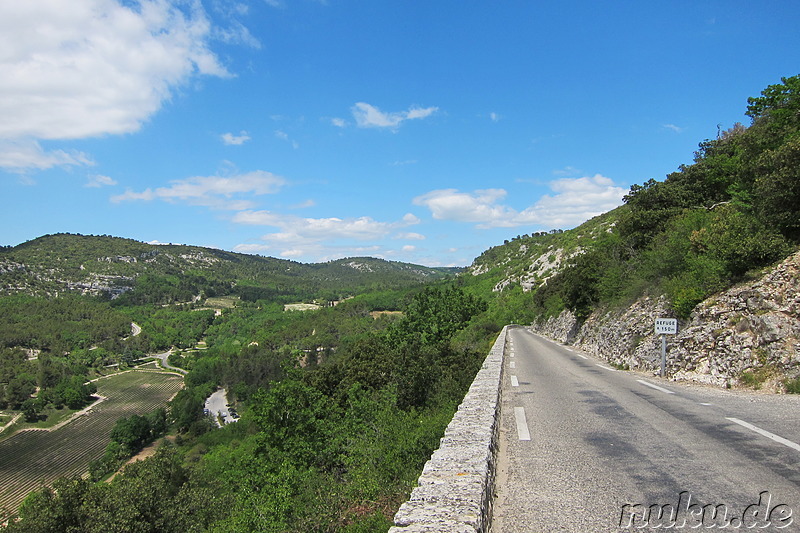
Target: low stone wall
454 494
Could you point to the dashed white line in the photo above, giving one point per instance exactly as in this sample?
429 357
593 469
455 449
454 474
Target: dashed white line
514 381
606 367
580 355
522 424
765 433
656 387
512 364
706 403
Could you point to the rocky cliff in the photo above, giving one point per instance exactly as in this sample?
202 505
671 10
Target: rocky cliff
749 334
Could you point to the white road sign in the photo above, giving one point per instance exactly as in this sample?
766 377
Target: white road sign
666 326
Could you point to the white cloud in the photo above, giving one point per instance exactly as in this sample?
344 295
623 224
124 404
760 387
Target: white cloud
318 237
566 171
480 206
576 200
304 204
339 122
673 127
285 137
237 33
212 191
494 117
368 116
410 236
23 155
98 180
236 140
95 67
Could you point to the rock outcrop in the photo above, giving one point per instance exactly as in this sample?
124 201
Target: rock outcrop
750 329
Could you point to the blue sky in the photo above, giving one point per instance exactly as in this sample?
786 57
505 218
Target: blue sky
417 131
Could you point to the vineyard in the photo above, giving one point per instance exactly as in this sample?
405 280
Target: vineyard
33 458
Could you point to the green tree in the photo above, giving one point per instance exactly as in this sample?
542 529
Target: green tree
297 420
779 103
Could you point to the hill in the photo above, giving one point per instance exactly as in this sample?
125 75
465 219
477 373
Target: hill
707 226
145 273
715 238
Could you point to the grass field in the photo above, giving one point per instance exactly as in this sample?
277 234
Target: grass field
33 458
222 302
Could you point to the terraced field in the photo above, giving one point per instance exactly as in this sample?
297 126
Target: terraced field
34 458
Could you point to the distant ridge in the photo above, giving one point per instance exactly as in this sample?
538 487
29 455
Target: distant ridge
111 266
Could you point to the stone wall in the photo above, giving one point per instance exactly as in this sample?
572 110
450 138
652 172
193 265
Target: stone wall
454 494
752 327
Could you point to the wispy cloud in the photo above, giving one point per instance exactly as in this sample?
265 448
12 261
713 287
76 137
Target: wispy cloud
24 155
213 191
280 134
566 171
575 200
673 127
98 180
494 117
369 116
235 140
410 236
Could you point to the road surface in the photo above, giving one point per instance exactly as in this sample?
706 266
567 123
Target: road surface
164 358
217 407
606 445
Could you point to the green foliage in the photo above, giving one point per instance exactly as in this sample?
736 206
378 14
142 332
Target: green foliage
792 386
778 103
58 325
128 436
755 378
435 314
777 188
297 421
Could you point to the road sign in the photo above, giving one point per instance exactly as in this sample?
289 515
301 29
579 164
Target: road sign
666 326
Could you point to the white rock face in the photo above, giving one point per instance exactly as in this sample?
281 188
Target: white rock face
754 326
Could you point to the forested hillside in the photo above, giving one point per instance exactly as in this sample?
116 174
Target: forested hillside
111 267
707 226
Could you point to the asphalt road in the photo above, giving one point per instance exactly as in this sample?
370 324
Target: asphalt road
601 439
217 405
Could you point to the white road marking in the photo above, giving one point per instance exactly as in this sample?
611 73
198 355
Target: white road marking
764 432
606 367
522 424
706 404
514 381
579 355
656 387
512 364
